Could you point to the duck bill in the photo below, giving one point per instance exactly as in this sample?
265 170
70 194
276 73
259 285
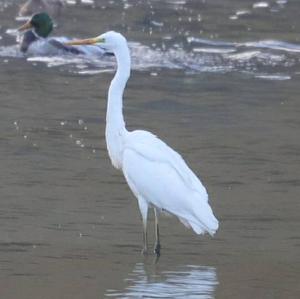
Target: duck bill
87 41
26 26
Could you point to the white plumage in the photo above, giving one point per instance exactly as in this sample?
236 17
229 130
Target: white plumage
156 174
159 176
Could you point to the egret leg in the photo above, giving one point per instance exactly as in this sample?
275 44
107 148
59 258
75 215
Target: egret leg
144 212
157 240
145 239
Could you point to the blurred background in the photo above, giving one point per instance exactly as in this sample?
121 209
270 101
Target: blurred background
218 81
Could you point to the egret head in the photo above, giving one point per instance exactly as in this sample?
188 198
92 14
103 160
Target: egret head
109 41
41 23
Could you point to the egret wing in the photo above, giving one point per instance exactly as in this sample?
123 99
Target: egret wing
153 149
159 175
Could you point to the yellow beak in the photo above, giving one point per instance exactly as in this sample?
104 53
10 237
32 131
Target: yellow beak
26 26
88 41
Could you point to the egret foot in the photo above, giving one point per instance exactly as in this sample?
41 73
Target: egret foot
157 249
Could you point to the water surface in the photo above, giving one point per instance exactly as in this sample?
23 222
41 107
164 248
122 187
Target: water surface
218 81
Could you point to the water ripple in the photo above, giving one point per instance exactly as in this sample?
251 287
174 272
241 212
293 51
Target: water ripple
198 55
189 282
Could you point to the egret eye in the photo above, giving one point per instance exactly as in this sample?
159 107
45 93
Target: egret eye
101 40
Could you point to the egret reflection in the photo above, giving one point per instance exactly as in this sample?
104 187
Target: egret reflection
185 282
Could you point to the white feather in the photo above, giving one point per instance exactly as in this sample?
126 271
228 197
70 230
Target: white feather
160 176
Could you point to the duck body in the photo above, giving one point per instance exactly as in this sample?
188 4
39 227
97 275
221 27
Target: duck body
36 39
32 45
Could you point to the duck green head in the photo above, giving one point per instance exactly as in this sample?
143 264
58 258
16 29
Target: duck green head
41 23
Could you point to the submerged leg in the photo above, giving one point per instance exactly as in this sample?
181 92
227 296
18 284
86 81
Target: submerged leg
144 212
157 240
145 239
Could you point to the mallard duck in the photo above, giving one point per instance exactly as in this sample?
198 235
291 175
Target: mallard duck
52 7
36 40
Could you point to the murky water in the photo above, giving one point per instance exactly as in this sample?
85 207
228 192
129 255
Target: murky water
217 80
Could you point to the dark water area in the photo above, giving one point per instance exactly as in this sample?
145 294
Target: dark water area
219 82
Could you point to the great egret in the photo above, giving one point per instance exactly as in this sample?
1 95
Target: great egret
36 40
156 174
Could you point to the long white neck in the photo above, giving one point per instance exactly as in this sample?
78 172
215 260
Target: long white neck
115 124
